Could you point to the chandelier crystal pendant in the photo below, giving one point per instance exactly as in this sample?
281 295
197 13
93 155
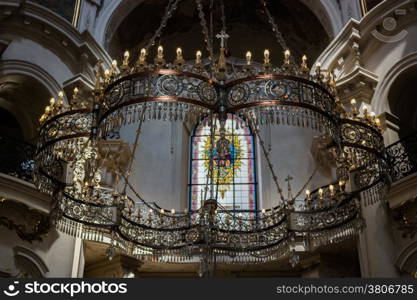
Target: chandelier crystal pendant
73 147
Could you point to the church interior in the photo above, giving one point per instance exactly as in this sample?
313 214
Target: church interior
208 138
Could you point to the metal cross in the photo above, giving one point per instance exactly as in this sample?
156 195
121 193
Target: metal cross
223 36
288 179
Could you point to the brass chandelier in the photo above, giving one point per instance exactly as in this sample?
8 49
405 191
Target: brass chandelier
74 145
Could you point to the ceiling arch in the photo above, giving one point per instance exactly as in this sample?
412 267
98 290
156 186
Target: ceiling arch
20 90
246 23
402 100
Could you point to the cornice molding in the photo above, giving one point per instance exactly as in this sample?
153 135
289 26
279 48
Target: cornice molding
358 72
24 192
360 31
358 84
340 45
31 70
380 12
70 36
402 191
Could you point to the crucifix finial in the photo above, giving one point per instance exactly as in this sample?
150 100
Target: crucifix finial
288 179
223 36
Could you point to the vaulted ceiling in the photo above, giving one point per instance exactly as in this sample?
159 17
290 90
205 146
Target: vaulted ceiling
247 26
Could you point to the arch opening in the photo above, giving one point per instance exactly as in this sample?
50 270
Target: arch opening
402 98
9 126
247 26
24 98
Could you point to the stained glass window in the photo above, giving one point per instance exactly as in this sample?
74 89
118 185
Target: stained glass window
234 173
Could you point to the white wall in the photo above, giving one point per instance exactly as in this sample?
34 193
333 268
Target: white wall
290 155
27 50
160 167
56 251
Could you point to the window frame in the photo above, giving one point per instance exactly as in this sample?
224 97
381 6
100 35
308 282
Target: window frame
253 157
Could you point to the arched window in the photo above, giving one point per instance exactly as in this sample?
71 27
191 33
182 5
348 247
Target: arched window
235 175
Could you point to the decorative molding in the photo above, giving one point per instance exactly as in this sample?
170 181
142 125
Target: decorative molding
28 223
341 47
24 192
3 46
389 25
402 191
33 257
389 121
359 84
389 39
59 29
376 16
19 67
344 59
80 81
344 55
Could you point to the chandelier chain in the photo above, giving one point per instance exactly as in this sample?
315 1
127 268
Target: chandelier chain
169 10
211 20
223 16
135 145
275 29
306 183
268 160
208 41
210 172
271 167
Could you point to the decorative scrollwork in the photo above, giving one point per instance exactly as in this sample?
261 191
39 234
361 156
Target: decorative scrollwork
238 94
207 92
276 89
116 95
402 156
29 224
169 85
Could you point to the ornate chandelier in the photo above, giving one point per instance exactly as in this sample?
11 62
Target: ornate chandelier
74 147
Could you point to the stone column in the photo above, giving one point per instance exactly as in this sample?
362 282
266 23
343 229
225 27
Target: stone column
78 260
376 243
87 15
